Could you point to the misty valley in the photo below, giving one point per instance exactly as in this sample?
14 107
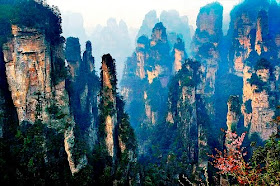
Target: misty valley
170 104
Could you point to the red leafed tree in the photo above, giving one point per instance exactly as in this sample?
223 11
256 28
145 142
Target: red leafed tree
231 161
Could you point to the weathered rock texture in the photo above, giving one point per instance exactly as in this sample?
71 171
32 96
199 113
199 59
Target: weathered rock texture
108 102
205 49
253 56
249 32
259 99
184 129
31 63
205 46
83 87
145 80
182 108
234 113
116 134
179 54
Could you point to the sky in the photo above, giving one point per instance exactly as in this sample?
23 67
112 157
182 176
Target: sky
96 12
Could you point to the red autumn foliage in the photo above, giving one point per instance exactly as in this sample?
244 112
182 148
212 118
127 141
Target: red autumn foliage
231 161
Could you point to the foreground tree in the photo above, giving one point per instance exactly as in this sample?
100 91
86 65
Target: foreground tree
262 169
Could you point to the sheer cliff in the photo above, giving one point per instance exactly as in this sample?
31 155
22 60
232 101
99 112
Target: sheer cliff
145 80
50 125
83 87
206 49
117 140
252 56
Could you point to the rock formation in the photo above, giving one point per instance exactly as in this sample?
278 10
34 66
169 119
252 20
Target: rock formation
259 101
36 78
108 103
182 108
115 132
83 86
179 54
205 45
234 113
177 26
205 48
145 80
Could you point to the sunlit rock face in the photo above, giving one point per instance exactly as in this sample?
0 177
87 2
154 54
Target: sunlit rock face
36 73
252 56
206 41
179 55
115 132
261 33
259 101
205 49
108 94
28 71
252 31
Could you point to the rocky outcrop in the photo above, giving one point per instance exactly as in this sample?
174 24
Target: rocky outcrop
182 113
73 56
205 44
259 101
83 87
116 135
262 33
234 113
252 56
205 48
28 67
179 54
108 103
249 31
185 128
36 73
145 80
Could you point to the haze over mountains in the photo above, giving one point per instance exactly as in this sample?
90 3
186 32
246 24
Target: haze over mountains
90 26
168 104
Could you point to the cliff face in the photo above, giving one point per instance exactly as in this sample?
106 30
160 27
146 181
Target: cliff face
28 69
205 48
206 42
108 103
183 134
179 54
234 113
145 80
73 56
259 99
115 132
83 86
182 108
36 74
249 32
253 57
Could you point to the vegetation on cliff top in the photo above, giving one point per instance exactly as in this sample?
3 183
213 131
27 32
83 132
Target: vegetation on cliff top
29 13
